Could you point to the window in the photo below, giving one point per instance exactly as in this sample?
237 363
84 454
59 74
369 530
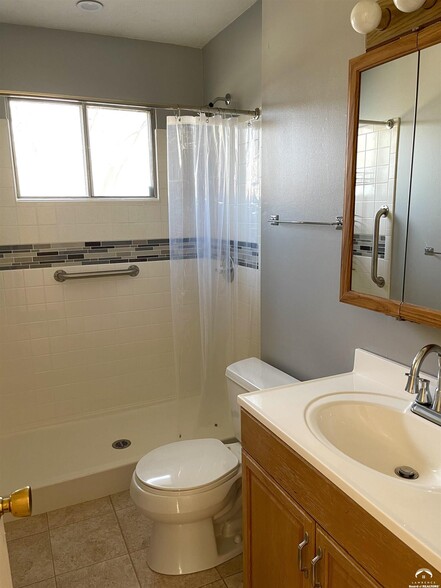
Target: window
69 149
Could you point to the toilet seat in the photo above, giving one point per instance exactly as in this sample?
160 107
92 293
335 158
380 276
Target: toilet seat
186 466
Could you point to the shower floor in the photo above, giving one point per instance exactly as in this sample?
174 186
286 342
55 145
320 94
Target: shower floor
74 461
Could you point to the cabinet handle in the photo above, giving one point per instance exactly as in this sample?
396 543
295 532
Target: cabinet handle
314 562
300 547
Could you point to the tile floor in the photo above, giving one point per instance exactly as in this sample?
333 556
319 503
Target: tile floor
97 544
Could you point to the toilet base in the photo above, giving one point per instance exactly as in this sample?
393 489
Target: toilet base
193 547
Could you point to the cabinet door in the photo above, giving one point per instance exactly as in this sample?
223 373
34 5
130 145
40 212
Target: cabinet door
274 526
336 568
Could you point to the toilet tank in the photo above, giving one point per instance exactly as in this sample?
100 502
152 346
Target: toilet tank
249 375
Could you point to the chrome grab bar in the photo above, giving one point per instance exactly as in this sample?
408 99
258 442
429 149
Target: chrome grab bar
379 280
431 251
275 221
62 276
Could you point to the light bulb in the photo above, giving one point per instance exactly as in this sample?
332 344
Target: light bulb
366 16
408 5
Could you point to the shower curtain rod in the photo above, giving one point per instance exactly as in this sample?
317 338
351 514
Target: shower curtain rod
154 106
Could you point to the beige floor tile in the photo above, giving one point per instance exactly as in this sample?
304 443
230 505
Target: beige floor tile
230 567
25 527
217 584
44 584
121 500
235 581
31 559
150 579
136 528
86 543
116 573
79 512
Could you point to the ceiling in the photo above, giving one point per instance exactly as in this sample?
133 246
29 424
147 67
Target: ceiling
181 22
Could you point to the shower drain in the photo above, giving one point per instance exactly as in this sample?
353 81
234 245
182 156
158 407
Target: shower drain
406 472
121 444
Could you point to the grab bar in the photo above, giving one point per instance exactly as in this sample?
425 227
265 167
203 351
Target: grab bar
379 280
62 276
275 221
389 123
431 251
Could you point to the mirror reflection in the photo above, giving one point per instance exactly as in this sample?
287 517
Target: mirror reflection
383 164
423 259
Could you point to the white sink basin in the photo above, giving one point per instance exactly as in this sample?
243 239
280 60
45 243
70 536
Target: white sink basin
356 428
379 432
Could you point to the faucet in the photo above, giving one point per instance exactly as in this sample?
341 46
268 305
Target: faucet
424 405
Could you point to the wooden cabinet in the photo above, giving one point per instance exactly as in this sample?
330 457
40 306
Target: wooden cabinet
282 541
275 528
285 498
336 568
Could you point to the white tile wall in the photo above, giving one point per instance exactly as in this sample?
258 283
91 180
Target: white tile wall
73 349
89 346
95 219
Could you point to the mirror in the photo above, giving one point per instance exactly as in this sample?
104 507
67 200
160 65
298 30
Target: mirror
391 257
384 151
422 283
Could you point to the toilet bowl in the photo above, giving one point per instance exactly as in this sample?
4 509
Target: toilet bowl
191 490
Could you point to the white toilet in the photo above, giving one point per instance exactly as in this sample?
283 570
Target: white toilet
192 489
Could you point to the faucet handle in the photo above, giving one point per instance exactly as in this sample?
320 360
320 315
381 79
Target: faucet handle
412 383
436 406
424 397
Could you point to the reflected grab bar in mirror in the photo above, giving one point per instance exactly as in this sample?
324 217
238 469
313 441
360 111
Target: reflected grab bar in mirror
275 221
379 280
62 276
389 123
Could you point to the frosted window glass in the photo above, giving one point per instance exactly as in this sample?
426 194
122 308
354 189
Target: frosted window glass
121 152
48 145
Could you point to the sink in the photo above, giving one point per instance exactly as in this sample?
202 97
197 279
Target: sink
379 432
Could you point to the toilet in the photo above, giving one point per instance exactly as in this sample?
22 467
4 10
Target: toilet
192 490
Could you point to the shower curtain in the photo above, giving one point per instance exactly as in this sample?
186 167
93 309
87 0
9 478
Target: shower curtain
214 219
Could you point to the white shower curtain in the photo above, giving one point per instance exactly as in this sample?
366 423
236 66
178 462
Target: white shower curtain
214 217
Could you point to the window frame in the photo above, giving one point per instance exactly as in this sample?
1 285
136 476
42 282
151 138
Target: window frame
83 104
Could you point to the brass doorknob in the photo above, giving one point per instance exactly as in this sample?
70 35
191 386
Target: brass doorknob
19 503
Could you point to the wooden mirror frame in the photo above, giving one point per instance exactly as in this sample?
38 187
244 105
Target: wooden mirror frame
397 308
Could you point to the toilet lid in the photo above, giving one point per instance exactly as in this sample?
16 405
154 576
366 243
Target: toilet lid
186 464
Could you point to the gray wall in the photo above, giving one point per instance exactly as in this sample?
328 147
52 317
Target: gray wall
305 329
232 61
53 61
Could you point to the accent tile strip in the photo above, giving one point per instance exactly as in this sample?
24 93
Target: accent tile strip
106 252
362 245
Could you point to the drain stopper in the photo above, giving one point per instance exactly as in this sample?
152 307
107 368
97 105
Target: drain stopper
406 472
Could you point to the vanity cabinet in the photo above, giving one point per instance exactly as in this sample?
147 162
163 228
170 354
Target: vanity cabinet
275 525
282 541
285 498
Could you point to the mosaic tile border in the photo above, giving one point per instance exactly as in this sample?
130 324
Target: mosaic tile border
243 253
362 245
14 257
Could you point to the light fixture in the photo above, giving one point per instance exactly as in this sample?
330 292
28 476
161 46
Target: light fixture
367 15
412 5
408 5
90 5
